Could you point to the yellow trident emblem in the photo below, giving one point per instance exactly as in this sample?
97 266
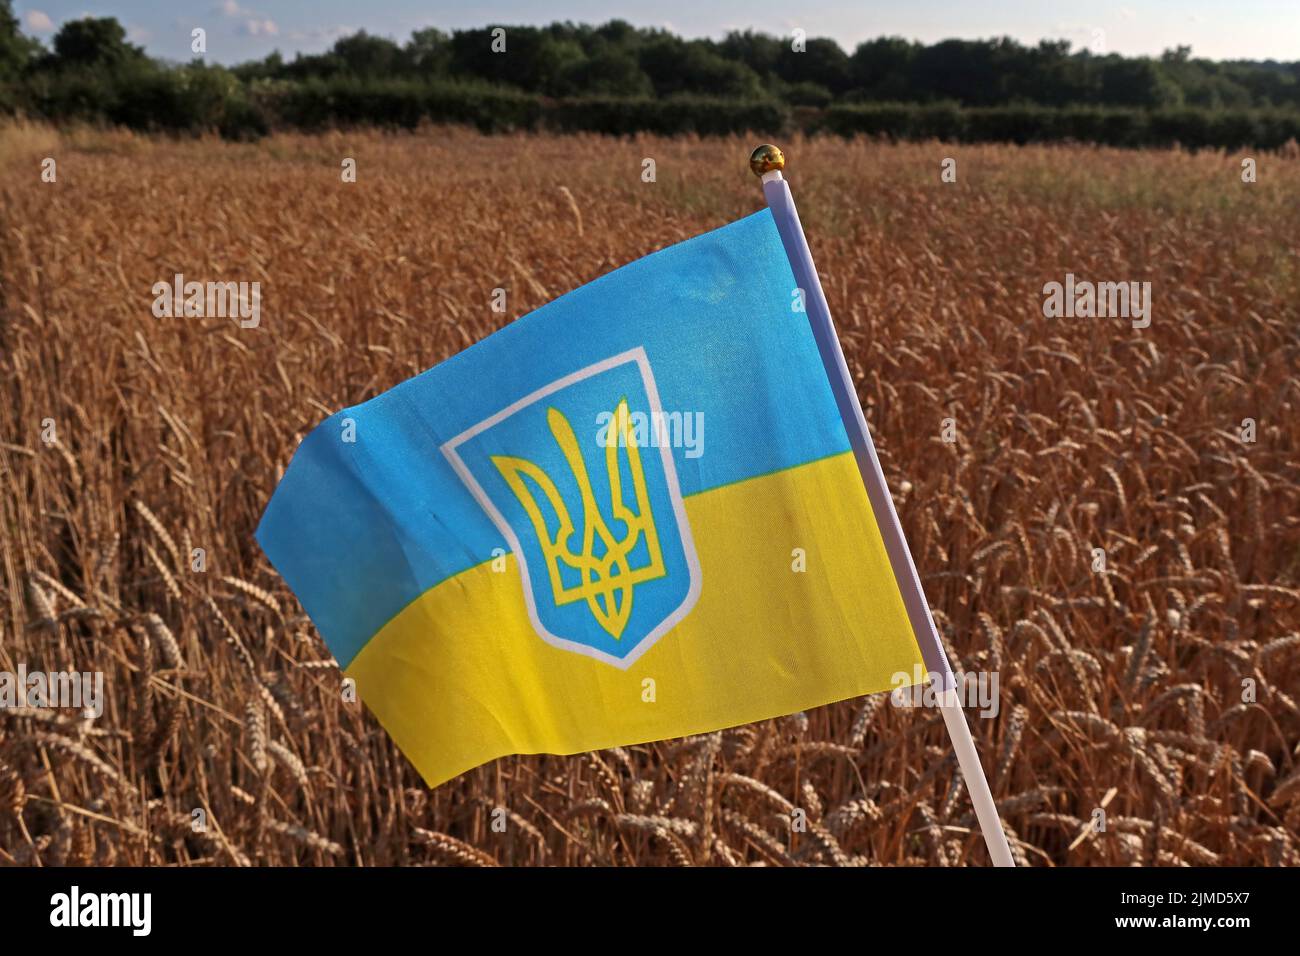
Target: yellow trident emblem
607 578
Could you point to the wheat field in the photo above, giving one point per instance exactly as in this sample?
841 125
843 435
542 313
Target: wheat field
1161 691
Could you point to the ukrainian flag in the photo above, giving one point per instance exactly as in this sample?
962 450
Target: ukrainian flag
630 515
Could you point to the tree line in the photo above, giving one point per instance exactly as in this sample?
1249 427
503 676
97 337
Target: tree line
617 78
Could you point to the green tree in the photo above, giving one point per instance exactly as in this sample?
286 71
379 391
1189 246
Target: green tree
362 54
961 70
821 62
677 66
429 52
607 72
882 69
758 51
533 60
17 52
94 41
1137 82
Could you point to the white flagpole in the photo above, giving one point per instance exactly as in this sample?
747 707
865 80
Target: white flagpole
767 163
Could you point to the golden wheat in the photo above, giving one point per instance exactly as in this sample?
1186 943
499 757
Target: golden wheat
1158 691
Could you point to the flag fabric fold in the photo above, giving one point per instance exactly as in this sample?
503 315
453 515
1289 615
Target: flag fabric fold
630 515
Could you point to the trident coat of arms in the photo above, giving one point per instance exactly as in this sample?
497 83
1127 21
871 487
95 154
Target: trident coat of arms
595 520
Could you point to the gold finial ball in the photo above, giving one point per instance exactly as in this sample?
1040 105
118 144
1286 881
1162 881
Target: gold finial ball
765 159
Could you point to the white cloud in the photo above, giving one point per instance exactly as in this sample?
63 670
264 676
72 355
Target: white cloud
317 34
254 24
38 21
265 27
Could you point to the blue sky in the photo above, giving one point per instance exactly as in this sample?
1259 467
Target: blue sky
240 30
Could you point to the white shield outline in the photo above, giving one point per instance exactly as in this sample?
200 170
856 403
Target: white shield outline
448 448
